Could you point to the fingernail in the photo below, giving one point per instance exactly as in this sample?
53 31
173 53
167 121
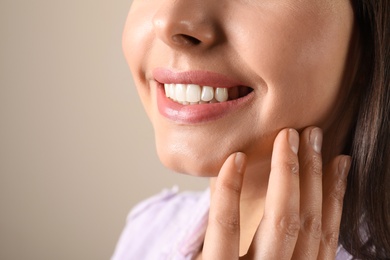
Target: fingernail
315 138
293 139
240 162
344 166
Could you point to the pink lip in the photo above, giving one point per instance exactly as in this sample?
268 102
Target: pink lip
192 114
199 77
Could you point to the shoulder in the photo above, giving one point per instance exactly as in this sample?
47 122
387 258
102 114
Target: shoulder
342 254
155 226
164 204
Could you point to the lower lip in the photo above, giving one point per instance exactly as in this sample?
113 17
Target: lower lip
200 113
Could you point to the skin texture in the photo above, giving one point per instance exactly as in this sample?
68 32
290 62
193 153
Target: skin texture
294 225
294 55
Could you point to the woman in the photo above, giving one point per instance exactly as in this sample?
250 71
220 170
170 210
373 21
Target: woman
259 96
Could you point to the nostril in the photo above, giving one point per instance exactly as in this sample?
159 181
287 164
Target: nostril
185 39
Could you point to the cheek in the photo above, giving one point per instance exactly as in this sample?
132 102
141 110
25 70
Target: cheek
136 39
304 77
135 36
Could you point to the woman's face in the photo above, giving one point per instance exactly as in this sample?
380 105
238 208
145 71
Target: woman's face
280 63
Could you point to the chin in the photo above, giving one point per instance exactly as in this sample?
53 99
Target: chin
188 161
203 161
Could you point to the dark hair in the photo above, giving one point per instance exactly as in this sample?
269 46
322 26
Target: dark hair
365 225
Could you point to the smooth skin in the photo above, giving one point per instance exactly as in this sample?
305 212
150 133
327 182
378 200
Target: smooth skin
303 206
293 53
296 55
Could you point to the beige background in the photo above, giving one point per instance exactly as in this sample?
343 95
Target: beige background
76 149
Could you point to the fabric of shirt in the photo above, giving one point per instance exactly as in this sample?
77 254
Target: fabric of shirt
170 225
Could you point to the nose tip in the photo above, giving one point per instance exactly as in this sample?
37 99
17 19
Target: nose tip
179 25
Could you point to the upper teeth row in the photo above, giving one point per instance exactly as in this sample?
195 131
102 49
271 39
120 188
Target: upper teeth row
193 94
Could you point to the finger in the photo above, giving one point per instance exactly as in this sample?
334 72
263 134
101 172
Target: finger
335 183
223 230
279 228
310 162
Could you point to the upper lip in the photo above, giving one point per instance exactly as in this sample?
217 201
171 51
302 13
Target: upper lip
199 77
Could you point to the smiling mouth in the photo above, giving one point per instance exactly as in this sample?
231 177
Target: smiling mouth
193 94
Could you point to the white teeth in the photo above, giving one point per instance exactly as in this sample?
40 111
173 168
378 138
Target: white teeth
207 93
191 94
166 87
172 91
180 92
221 94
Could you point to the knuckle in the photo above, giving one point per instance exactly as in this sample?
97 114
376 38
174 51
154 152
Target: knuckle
313 164
290 165
228 185
338 190
293 166
330 239
289 225
312 224
230 223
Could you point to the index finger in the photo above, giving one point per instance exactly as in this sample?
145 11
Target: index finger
278 231
223 230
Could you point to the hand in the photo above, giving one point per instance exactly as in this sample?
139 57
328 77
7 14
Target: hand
302 207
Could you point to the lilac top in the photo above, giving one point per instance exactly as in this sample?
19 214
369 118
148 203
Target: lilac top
170 225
